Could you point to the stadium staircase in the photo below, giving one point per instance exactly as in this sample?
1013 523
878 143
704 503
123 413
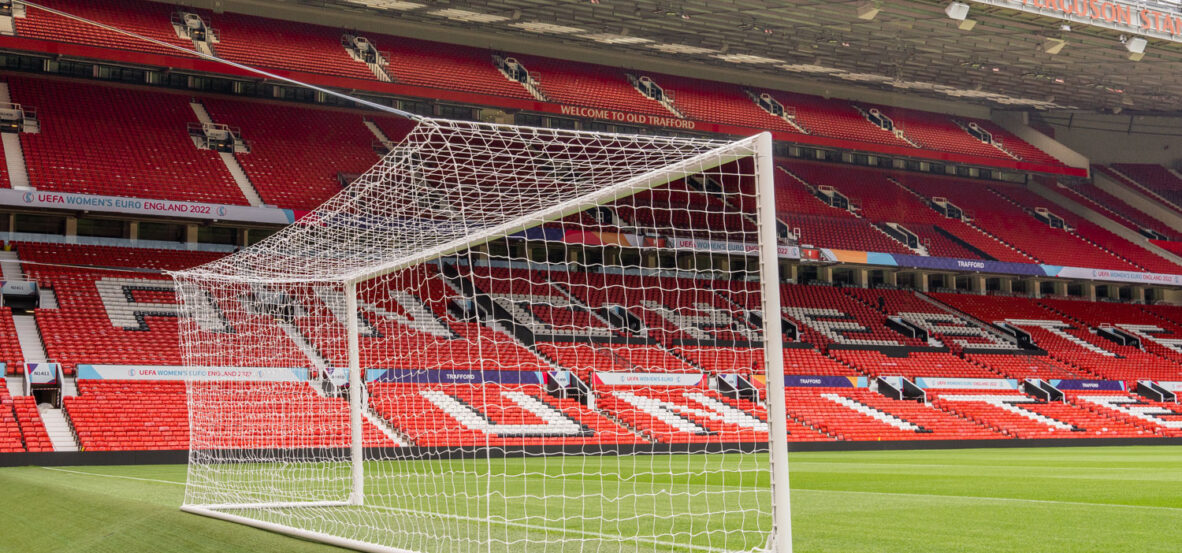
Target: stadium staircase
229 159
57 427
14 155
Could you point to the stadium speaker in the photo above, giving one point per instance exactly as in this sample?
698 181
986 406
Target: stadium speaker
957 10
1135 46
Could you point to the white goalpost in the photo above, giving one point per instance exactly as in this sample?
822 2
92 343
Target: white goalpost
501 339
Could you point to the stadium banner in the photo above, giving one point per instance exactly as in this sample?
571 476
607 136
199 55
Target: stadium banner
560 378
339 376
230 374
828 255
955 264
1171 386
719 246
809 381
42 374
648 379
1108 385
1125 16
142 207
967 383
453 376
1112 276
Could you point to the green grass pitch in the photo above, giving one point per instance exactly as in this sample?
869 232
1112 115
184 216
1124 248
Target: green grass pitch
1062 500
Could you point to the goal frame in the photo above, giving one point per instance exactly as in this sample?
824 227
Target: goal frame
780 540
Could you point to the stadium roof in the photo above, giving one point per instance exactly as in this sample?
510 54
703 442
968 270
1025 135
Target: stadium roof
910 46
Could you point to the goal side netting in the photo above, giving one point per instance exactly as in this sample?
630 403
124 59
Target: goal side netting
503 339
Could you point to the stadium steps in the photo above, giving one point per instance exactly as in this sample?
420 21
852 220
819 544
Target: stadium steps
1104 222
969 224
15 385
228 159
58 428
986 326
371 415
877 414
14 154
10 266
29 336
1141 189
306 347
1073 233
381 136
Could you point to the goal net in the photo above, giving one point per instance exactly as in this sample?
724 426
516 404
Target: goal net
503 339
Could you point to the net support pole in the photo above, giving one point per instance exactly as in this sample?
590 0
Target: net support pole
773 346
356 391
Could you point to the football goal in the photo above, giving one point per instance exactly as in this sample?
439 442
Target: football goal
504 339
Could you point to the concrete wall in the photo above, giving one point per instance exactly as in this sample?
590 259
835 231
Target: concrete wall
1109 139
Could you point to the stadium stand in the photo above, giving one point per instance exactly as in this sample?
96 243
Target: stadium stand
1158 179
1118 210
1092 233
1014 223
881 200
275 44
449 67
10 347
31 426
281 136
150 19
122 333
862 415
1021 416
118 142
583 84
442 414
10 430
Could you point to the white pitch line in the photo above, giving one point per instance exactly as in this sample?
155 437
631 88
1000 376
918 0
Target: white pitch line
552 529
985 498
173 482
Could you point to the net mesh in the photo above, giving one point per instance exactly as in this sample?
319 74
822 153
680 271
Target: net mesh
555 333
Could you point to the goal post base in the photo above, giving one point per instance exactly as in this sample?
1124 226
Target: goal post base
213 511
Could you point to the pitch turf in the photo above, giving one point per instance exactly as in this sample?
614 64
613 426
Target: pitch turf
996 500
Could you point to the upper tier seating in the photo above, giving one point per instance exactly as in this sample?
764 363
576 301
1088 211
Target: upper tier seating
680 210
881 200
997 215
149 19
1118 210
836 118
468 415
296 151
584 84
1087 230
278 44
1159 179
118 142
447 66
938 132
724 102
